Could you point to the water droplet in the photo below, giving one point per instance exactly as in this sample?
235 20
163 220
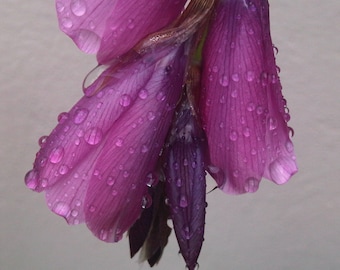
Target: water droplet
224 81
289 146
151 116
103 235
88 41
77 141
62 117
66 22
31 179
131 24
215 69
186 232
78 7
221 125
179 182
253 152
125 100
183 202
126 174
74 213
234 93
114 192
251 107
222 99
42 141
93 136
92 208
213 169
272 123
110 181
250 76
145 148
119 142
80 116
235 77
264 78
63 169
152 180
143 94
61 209
259 110
56 154
146 201
233 135
251 184
246 132
60 6
236 173
160 96
131 150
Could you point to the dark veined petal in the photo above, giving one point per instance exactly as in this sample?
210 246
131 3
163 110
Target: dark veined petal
185 183
112 27
242 106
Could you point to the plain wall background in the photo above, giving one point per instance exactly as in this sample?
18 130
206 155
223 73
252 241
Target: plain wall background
294 226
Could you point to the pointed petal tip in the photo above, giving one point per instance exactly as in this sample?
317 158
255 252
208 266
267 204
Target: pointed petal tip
282 169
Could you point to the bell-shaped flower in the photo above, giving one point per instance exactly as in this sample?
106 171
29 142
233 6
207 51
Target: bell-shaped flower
185 182
110 28
94 165
242 108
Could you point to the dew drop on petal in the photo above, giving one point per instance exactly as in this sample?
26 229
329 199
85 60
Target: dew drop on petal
125 100
224 81
272 123
80 116
62 117
66 22
233 135
42 141
146 201
251 184
145 148
74 213
31 179
63 169
110 181
289 146
152 180
93 136
119 142
61 209
246 132
235 77
183 202
103 235
92 208
250 76
250 107
160 96
56 154
78 7
151 116
143 94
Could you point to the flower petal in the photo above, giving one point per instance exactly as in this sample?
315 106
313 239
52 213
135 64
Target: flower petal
111 209
112 27
185 185
239 103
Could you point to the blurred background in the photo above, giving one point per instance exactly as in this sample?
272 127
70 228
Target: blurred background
294 226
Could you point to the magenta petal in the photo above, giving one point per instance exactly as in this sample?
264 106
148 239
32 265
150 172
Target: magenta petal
112 27
131 21
131 149
242 105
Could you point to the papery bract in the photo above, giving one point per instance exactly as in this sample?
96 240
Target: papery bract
95 163
242 107
112 27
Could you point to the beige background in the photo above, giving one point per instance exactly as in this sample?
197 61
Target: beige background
295 226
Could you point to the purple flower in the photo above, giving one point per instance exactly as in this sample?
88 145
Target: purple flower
242 108
186 89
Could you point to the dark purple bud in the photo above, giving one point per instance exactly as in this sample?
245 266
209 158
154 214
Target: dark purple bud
185 183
